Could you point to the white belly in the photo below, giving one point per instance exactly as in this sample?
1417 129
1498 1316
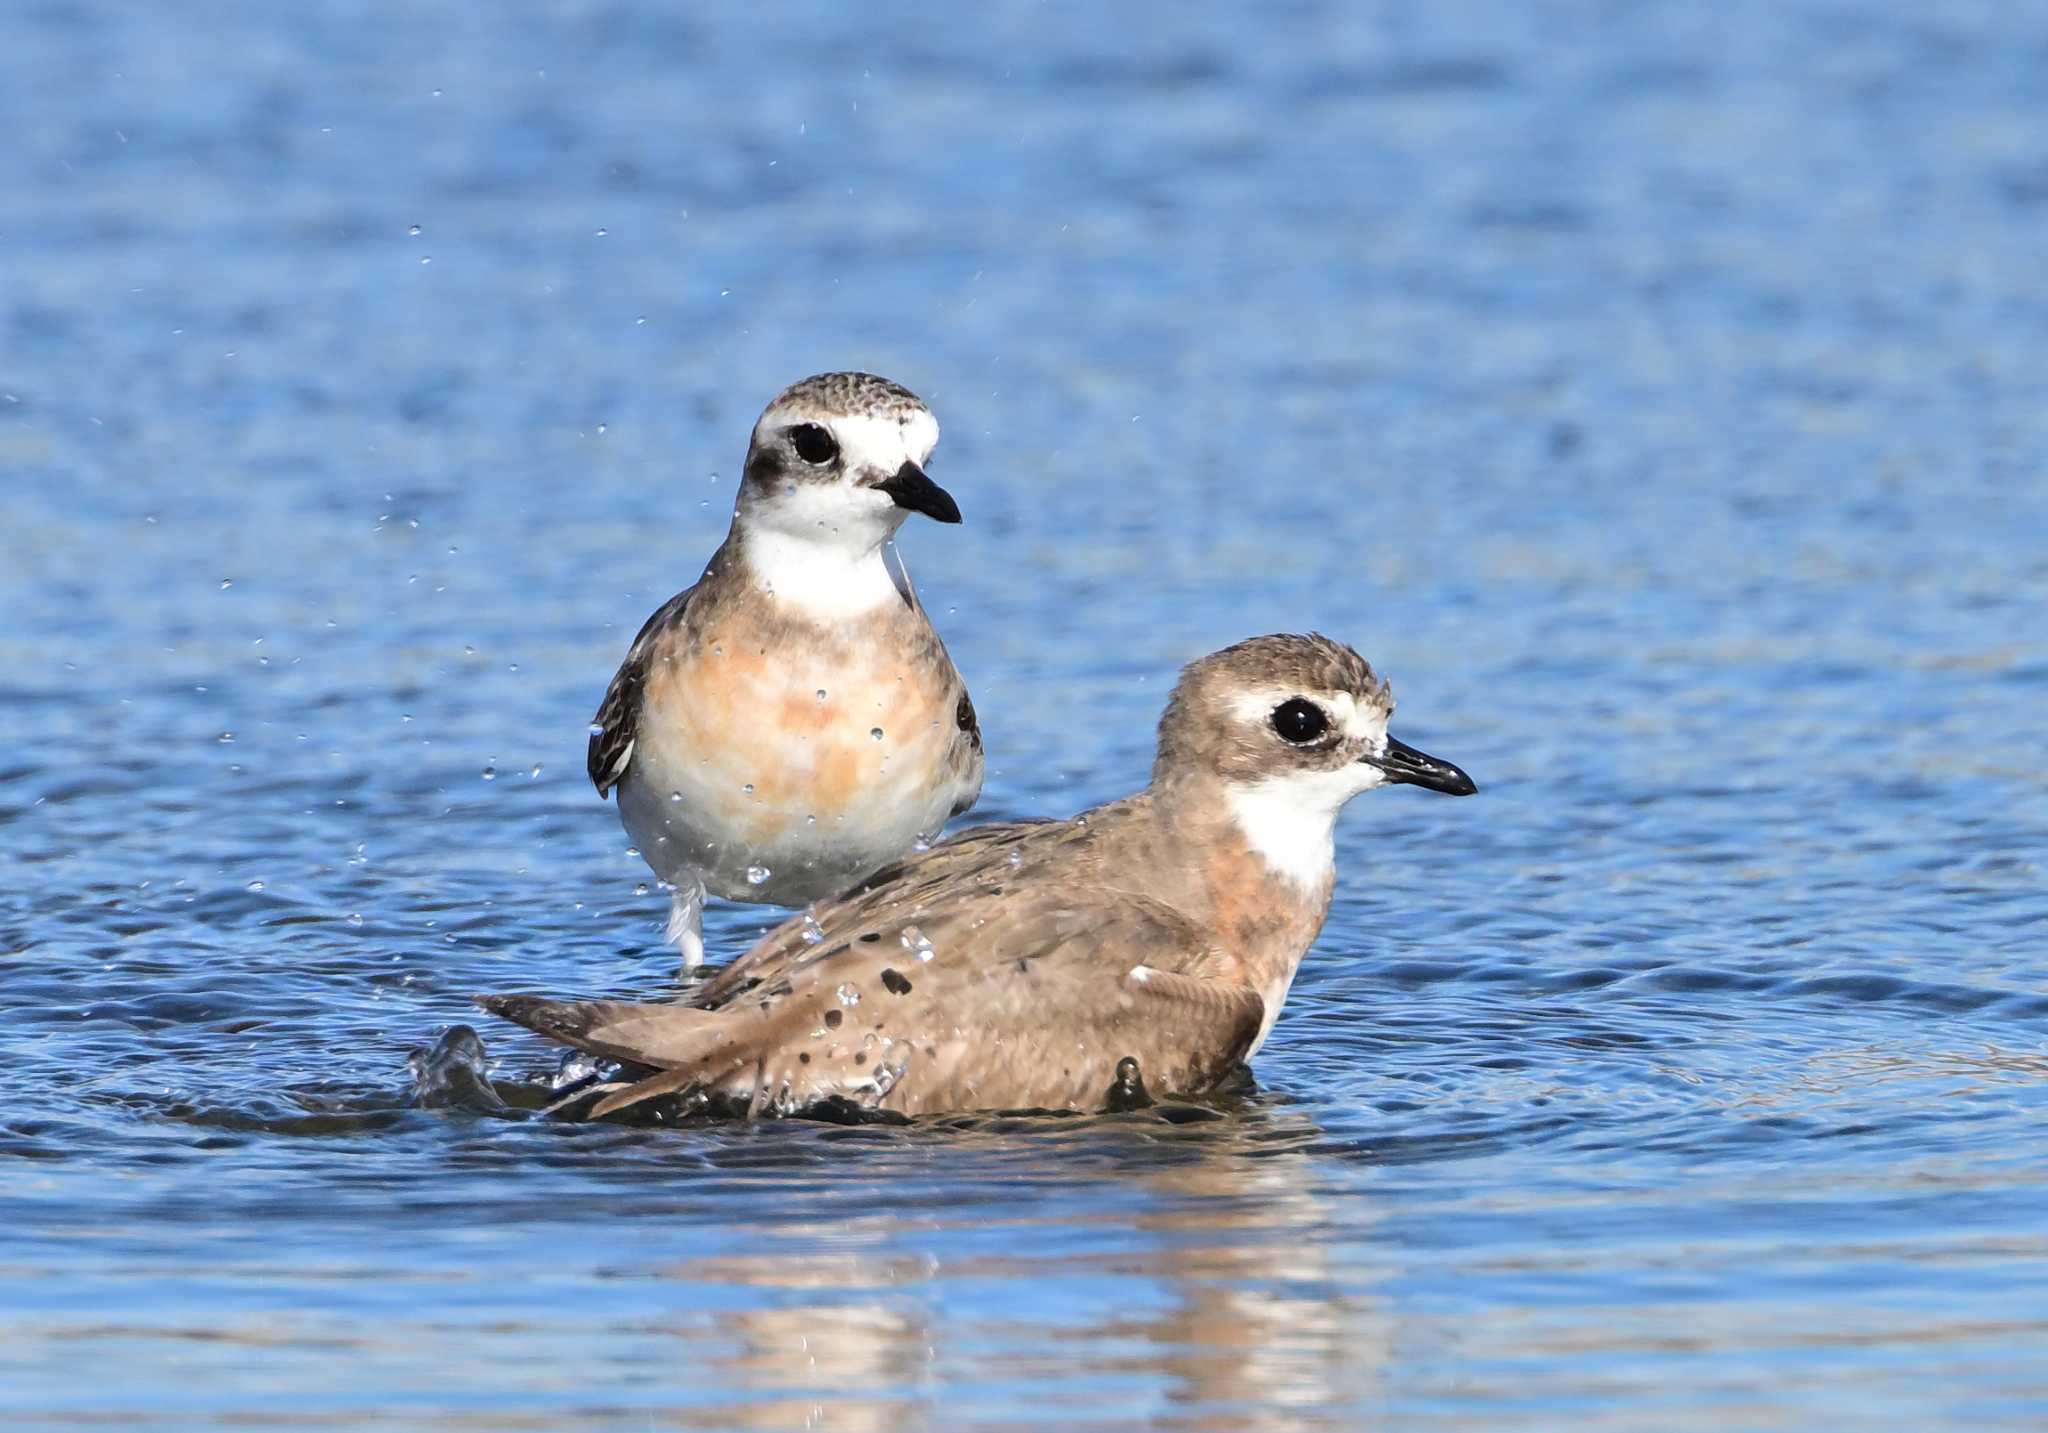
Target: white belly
1274 996
782 856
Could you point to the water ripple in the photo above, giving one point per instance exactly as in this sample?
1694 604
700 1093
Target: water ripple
1657 400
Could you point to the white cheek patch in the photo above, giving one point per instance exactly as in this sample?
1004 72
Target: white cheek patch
835 519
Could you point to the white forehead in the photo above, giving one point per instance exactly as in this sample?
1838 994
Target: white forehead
1363 720
878 440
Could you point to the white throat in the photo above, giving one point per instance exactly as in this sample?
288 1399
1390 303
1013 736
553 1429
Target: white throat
825 577
1295 836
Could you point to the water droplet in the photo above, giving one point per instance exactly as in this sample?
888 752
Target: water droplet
355 917
849 994
426 258
413 230
922 844
918 943
758 875
875 732
886 1076
748 789
821 694
813 932
602 232
490 773
535 773
641 889
675 796
596 728
1016 858
226 583
225 737
255 885
577 1066
641 319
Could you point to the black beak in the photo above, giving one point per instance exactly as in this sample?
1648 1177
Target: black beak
910 488
1403 763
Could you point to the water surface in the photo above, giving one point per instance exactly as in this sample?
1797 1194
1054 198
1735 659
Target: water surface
1654 392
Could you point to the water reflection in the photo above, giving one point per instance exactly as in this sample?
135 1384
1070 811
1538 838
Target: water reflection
1211 1283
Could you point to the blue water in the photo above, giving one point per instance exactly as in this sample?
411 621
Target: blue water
1654 391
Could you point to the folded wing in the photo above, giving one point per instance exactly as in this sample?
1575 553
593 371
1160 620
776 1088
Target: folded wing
615 728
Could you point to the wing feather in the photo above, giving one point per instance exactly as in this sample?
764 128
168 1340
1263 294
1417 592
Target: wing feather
616 727
1007 967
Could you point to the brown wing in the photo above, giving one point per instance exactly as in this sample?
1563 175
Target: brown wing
1229 1013
997 970
966 871
616 726
1004 968
1030 1000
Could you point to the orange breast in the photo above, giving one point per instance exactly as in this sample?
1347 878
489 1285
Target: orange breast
1262 918
730 716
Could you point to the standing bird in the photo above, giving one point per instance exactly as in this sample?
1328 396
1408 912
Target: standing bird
792 722
1059 964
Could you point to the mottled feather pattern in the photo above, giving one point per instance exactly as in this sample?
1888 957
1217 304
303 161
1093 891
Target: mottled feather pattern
890 998
850 393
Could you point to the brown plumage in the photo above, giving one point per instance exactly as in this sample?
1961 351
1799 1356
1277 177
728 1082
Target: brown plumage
1017 965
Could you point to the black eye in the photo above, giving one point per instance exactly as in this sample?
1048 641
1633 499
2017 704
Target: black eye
1299 721
813 444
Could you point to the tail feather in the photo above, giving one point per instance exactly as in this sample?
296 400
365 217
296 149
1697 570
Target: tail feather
671 1037
667 1082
